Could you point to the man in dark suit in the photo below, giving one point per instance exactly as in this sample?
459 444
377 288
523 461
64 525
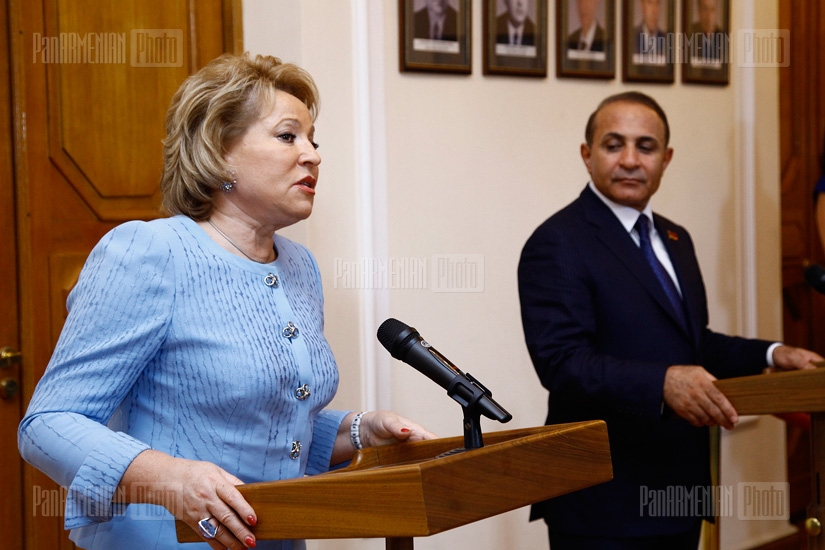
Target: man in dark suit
708 41
648 36
437 21
514 27
618 336
590 36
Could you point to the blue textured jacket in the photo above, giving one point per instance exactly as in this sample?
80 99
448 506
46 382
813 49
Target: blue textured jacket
174 344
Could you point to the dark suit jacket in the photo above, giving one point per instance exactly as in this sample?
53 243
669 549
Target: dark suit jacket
528 35
601 334
422 24
652 44
599 40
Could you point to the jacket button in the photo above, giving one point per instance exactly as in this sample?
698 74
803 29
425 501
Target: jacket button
302 392
290 330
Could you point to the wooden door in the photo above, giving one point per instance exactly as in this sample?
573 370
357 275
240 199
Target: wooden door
10 405
91 82
802 124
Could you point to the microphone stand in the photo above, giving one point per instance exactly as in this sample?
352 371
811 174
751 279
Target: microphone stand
468 397
472 429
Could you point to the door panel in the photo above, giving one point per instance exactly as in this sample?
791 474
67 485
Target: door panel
123 178
11 501
802 122
91 82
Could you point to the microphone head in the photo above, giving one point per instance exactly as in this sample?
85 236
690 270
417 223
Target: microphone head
815 276
393 334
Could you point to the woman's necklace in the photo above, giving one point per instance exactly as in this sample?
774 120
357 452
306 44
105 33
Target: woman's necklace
236 246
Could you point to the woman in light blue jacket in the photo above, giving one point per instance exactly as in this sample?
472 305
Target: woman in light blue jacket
193 358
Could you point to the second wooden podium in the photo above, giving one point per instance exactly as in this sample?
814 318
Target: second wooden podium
419 489
790 392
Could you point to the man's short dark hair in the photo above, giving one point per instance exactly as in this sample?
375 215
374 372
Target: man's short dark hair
626 97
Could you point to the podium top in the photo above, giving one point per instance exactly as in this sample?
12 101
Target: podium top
777 392
419 489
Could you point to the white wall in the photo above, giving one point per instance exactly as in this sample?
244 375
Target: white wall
416 165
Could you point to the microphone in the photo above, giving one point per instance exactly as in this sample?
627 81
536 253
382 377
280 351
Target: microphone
815 276
405 344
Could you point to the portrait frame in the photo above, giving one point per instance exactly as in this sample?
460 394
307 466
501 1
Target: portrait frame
570 62
697 66
649 56
442 55
529 56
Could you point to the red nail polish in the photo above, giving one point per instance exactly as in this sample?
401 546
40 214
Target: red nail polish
405 430
250 542
252 521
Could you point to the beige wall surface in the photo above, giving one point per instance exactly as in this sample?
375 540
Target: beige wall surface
426 177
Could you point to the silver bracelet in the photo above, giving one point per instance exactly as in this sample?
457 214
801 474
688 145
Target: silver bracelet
355 431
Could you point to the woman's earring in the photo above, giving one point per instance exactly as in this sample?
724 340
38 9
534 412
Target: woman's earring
228 186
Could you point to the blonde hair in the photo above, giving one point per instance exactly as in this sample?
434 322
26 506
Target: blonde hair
210 111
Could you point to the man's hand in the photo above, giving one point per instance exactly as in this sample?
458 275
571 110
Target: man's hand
791 358
690 392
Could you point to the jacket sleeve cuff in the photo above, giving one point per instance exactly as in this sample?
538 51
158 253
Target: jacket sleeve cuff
92 494
324 434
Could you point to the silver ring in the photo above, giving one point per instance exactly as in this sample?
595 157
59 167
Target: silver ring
208 531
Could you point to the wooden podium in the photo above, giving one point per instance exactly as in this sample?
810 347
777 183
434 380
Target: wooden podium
790 392
419 489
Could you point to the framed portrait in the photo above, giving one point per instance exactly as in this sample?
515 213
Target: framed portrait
706 42
434 35
649 41
585 38
515 37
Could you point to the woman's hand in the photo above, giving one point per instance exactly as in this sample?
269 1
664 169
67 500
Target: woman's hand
376 428
386 427
192 491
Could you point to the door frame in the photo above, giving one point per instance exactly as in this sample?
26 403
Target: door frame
11 409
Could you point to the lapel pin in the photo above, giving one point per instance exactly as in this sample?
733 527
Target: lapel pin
672 235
